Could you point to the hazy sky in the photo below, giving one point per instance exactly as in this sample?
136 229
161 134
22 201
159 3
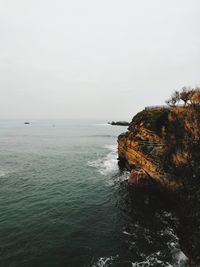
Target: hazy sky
95 58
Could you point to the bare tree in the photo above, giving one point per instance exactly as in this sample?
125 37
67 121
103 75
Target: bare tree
175 98
188 95
185 94
171 102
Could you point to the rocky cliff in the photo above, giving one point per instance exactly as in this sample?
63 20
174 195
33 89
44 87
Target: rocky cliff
164 145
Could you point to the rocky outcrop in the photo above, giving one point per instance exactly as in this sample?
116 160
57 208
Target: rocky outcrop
162 143
162 146
132 151
119 123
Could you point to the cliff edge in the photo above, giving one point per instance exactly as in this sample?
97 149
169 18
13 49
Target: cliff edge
162 147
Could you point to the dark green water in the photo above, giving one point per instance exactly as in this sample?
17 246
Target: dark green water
63 201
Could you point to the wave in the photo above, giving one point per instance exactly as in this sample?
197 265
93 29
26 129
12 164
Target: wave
164 244
150 261
111 261
153 260
104 261
108 164
170 256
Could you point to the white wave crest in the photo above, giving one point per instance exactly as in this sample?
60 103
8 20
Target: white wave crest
154 260
104 261
178 259
108 164
181 258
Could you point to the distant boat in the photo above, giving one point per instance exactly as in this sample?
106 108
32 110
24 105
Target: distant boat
26 122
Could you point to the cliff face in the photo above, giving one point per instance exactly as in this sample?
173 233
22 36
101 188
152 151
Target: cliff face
163 143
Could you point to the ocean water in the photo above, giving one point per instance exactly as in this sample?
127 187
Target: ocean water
64 202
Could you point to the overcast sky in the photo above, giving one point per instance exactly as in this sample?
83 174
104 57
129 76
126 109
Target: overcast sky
95 58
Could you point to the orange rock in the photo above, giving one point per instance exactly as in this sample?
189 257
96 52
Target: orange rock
134 177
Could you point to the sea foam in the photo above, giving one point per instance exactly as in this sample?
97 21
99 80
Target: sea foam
104 261
108 164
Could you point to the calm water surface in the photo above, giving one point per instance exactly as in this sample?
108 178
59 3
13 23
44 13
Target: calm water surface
64 202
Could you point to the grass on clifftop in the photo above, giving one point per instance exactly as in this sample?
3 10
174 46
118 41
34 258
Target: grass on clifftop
153 120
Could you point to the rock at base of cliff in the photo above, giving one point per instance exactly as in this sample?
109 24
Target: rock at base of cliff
138 178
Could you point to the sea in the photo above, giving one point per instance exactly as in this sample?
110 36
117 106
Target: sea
65 203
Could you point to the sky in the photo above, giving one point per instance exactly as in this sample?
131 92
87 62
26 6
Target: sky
104 59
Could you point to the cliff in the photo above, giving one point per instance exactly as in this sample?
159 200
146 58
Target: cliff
164 145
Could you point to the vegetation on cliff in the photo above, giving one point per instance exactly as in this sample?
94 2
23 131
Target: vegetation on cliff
187 95
164 142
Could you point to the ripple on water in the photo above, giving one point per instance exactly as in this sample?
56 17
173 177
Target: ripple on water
3 173
54 213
